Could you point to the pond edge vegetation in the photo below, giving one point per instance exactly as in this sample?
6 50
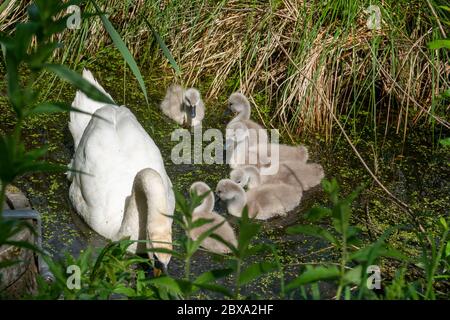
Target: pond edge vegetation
112 273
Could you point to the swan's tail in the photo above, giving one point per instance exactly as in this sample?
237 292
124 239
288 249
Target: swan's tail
302 153
310 175
79 121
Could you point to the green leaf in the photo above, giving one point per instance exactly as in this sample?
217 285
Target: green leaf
79 82
55 107
354 275
447 249
247 231
313 275
445 142
121 46
22 38
164 49
443 223
439 44
51 107
215 288
317 213
256 270
212 275
312 231
42 54
446 8
196 244
259 249
8 263
200 222
4 5
174 285
182 205
24 244
121 289
229 245
41 166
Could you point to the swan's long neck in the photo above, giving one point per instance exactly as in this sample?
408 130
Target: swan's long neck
237 203
146 209
207 204
254 178
244 114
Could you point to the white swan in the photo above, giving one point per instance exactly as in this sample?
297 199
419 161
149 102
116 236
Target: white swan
124 190
205 211
183 106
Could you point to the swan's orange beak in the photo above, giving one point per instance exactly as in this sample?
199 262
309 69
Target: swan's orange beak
157 272
159 268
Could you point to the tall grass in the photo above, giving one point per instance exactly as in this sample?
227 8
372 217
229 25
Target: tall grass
297 60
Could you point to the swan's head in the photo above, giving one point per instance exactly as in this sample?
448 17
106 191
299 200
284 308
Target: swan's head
227 189
160 263
191 100
246 176
238 103
161 259
240 176
200 188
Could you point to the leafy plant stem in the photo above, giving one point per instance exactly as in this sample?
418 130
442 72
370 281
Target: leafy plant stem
342 265
436 260
2 196
238 275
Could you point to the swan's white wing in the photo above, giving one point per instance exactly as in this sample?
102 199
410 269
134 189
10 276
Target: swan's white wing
79 121
136 142
111 153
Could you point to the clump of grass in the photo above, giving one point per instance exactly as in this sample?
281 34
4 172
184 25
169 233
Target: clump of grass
307 59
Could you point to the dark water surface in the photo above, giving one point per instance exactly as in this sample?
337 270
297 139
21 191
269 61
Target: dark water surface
412 170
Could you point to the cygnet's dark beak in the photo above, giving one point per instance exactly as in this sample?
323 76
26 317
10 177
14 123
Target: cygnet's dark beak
227 112
193 111
216 198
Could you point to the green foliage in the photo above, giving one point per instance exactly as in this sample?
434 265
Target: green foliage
29 49
112 273
121 46
164 48
439 44
355 260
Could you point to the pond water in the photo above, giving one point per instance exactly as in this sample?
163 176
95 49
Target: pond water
411 170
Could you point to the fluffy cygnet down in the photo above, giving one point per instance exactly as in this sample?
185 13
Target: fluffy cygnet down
183 106
205 211
298 174
263 202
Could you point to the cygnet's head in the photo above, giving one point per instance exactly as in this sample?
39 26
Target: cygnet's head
237 102
240 176
227 189
191 100
200 188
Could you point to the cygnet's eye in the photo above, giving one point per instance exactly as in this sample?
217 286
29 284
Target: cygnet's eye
239 181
